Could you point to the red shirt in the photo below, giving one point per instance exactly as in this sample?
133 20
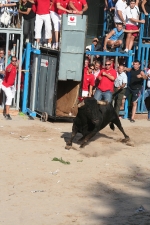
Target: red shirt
78 4
88 79
53 6
42 7
64 4
9 78
105 83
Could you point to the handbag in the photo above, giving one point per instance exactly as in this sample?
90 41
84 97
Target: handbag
5 17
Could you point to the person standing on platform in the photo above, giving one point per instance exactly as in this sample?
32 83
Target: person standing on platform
42 16
78 6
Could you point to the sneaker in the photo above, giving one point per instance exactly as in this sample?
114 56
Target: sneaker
49 45
45 45
132 121
54 46
8 117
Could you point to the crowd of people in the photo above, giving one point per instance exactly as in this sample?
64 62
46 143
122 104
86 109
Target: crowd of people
124 17
104 82
101 81
44 19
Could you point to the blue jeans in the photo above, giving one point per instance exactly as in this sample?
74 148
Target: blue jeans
147 94
103 95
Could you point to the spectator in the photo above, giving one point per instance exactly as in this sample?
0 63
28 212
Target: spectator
79 6
88 81
86 63
105 88
2 64
95 42
110 7
146 9
42 16
29 20
120 12
115 38
132 12
62 7
96 70
8 85
120 88
135 86
147 94
56 22
9 57
110 4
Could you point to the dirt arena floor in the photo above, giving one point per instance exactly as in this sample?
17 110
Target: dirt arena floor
106 183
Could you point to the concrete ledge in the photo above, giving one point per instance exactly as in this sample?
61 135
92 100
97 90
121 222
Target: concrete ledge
140 116
13 112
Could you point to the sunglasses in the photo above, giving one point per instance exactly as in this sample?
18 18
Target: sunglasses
92 68
14 60
1 52
107 64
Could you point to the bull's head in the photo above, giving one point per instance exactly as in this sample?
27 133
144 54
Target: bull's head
102 102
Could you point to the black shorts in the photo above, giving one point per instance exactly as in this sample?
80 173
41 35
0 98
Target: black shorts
135 94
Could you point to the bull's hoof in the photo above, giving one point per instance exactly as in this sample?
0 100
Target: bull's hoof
68 147
126 140
83 145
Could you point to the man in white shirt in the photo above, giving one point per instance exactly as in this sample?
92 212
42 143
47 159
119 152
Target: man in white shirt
120 12
120 85
132 16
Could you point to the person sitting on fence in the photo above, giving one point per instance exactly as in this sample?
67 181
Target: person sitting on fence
78 6
132 14
135 85
88 81
120 86
8 85
115 38
29 20
105 87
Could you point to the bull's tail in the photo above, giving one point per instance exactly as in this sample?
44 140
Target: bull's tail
111 125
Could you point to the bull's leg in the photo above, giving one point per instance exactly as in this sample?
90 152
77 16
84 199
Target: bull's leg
90 134
117 122
73 134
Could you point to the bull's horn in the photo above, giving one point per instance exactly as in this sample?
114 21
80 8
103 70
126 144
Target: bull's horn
102 102
81 104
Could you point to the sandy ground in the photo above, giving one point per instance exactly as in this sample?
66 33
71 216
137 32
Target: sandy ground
104 184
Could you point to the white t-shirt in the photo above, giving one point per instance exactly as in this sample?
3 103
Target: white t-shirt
121 79
132 13
120 5
148 80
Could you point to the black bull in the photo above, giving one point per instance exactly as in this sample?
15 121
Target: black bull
92 117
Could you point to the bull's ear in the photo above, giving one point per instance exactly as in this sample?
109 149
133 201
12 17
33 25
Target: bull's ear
81 104
102 102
